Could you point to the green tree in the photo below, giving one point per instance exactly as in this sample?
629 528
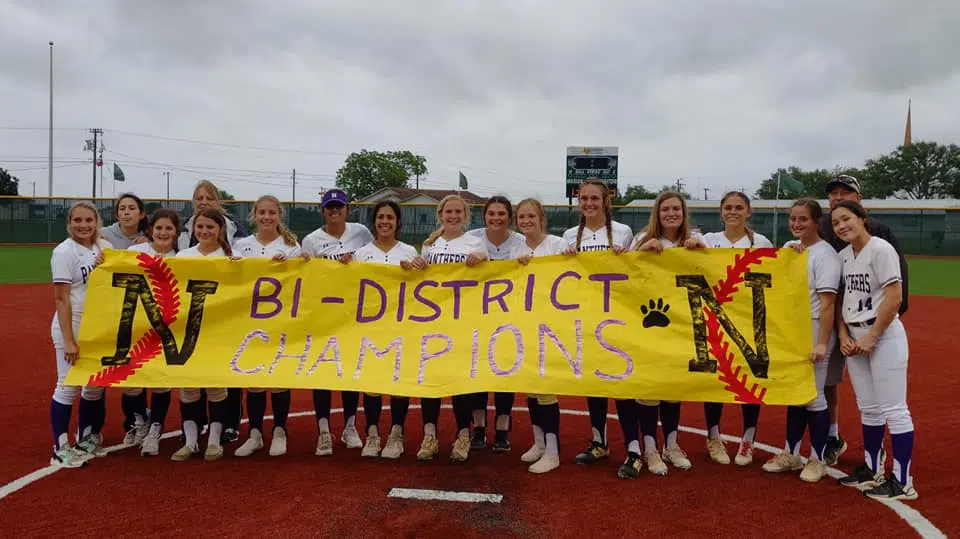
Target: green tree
366 172
633 192
795 183
683 191
8 183
225 195
922 170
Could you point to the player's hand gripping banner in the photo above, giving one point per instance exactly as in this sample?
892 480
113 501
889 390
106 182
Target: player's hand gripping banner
718 325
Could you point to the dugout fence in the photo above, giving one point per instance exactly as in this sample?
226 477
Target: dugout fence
927 230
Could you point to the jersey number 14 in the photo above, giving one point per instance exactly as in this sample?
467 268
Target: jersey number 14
865 305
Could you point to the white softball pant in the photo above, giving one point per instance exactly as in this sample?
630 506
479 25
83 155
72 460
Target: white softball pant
65 394
820 369
880 379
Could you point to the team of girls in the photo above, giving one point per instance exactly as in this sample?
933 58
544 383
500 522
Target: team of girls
881 400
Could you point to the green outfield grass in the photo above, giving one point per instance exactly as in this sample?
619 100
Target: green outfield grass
928 276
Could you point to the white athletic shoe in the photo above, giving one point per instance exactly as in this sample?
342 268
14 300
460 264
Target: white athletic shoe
135 435
674 455
813 471
429 448
394 447
253 444
461 448
744 454
654 462
324 444
151 444
213 452
92 445
184 453
544 464
533 454
372 448
783 462
351 438
68 457
718 451
278 445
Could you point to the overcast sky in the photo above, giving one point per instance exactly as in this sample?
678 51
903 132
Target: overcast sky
718 92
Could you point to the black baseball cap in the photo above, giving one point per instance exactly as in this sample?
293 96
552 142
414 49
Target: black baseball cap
844 180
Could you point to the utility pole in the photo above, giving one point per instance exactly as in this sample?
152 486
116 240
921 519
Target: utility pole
91 146
418 181
679 185
100 166
167 174
706 191
34 185
294 178
50 132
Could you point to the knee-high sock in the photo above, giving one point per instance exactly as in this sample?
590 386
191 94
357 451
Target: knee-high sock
549 416
670 420
533 407
87 413
430 411
630 423
503 402
280 401
480 409
321 404
751 418
647 416
351 401
372 406
256 409
712 412
463 410
398 411
902 455
598 418
873 444
60 421
819 429
159 406
234 409
796 425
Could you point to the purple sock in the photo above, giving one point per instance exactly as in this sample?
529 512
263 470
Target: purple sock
256 409
598 416
629 422
669 419
159 406
60 420
873 444
796 424
281 408
902 456
86 417
819 431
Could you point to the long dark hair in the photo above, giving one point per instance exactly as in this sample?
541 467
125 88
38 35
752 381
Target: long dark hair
143 225
498 199
396 211
746 200
216 216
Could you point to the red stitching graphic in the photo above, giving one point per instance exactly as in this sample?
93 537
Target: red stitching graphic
166 291
733 381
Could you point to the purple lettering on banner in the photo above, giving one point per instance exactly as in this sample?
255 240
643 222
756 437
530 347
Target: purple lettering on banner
400 301
518 337
365 343
575 364
528 296
302 357
296 298
259 297
610 348
424 356
322 358
488 299
474 353
364 283
606 279
553 292
255 334
456 286
425 301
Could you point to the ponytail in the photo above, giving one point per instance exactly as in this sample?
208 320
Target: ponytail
288 236
433 236
583 223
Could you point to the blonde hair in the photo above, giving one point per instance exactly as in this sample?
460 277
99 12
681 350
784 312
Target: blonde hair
539 206
746 200
607 211
289 237
655 230
439 231
87 205
211 189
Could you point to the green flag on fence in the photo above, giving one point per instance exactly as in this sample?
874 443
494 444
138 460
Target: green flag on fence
463 181
118 174
788 185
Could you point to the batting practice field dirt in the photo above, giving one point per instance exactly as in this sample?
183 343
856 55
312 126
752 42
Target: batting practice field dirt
300 495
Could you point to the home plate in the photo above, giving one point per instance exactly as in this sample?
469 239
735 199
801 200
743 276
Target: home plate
444 495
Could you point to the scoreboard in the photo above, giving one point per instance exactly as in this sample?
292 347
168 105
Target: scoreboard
584 162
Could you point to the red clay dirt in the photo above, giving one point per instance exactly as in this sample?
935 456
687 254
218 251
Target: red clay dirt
300 495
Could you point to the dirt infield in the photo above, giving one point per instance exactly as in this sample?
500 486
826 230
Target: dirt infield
300 495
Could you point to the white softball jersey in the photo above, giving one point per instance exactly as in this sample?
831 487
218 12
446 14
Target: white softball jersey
72 263
502 251
250 247
667 243
596 240
718 240
824 269
373 254
320 244
550 245
195 251
864 278
454 251
148 248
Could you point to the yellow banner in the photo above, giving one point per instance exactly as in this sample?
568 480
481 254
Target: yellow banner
718 325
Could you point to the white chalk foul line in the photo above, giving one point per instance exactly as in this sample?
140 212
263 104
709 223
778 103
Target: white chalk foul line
443 495
911 516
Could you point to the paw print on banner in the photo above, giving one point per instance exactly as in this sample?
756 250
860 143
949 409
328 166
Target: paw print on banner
655 315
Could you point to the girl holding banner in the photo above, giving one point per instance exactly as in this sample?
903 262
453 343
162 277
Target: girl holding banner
737 234
669 227
210 230
336 240
500 242
597 231
544 409
273 240
386 248
449 245
162 230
